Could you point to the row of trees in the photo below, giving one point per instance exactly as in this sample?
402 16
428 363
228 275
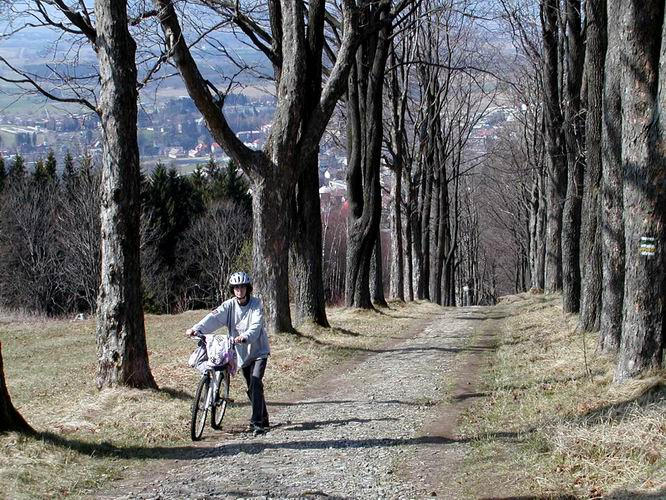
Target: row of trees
591 162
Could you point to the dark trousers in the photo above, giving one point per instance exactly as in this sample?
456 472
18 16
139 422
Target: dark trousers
254 373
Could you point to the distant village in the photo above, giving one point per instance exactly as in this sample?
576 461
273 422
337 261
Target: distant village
175 134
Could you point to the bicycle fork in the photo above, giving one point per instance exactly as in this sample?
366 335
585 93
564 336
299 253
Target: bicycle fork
212 389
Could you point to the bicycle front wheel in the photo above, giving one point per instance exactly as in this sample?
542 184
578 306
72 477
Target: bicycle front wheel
199 409
221 400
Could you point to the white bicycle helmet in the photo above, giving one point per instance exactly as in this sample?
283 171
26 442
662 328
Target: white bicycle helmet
240 278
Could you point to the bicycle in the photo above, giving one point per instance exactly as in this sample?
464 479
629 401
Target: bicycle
212 395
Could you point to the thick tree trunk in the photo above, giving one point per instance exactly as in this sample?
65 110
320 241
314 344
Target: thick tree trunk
10 419
398 146
590 306
557 169
121 341
360 229
644 170
270 204
306 248
377 274
575 123
612 230
365 131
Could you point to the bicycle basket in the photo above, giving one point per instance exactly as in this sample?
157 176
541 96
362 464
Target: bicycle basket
199 357
220 350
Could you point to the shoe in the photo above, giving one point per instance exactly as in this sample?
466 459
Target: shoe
257 430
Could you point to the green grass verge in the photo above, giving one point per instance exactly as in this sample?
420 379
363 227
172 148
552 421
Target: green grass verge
554 424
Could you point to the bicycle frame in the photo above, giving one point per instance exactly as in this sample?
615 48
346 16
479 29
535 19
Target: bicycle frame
215 376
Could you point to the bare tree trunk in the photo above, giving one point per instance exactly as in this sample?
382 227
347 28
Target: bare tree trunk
434 286
557 169
377 276
444 247
590 306
398 149
541 231
360 230
397 254
364 102
644 171
418 181
612 231
536 241
575 124
425 203
271 249
10 419
409 271
451 234
121 341
306 248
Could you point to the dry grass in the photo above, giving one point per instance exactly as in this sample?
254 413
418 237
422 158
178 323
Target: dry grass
555 424
88 438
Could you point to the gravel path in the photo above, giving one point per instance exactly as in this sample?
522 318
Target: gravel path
355 441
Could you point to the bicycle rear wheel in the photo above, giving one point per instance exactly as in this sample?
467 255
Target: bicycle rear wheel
221 400
199 409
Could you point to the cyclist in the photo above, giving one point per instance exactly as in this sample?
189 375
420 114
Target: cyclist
243 316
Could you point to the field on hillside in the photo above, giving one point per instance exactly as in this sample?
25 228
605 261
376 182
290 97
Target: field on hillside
548 422
553 423
88 438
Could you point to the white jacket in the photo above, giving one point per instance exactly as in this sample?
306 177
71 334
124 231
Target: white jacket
246 322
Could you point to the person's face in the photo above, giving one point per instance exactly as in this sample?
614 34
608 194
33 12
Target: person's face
240 291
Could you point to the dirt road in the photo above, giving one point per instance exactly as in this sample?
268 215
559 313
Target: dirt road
383 428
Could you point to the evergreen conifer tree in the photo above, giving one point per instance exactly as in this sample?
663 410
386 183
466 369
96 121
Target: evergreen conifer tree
86 165
216 185
50 166
68 171
212 169
199 182
17 168
170 205
235 187
39 175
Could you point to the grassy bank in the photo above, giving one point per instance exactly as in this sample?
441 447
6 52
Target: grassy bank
88 438
553 423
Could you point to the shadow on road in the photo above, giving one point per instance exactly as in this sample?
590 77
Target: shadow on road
352 401
308 426
252 445
176 393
